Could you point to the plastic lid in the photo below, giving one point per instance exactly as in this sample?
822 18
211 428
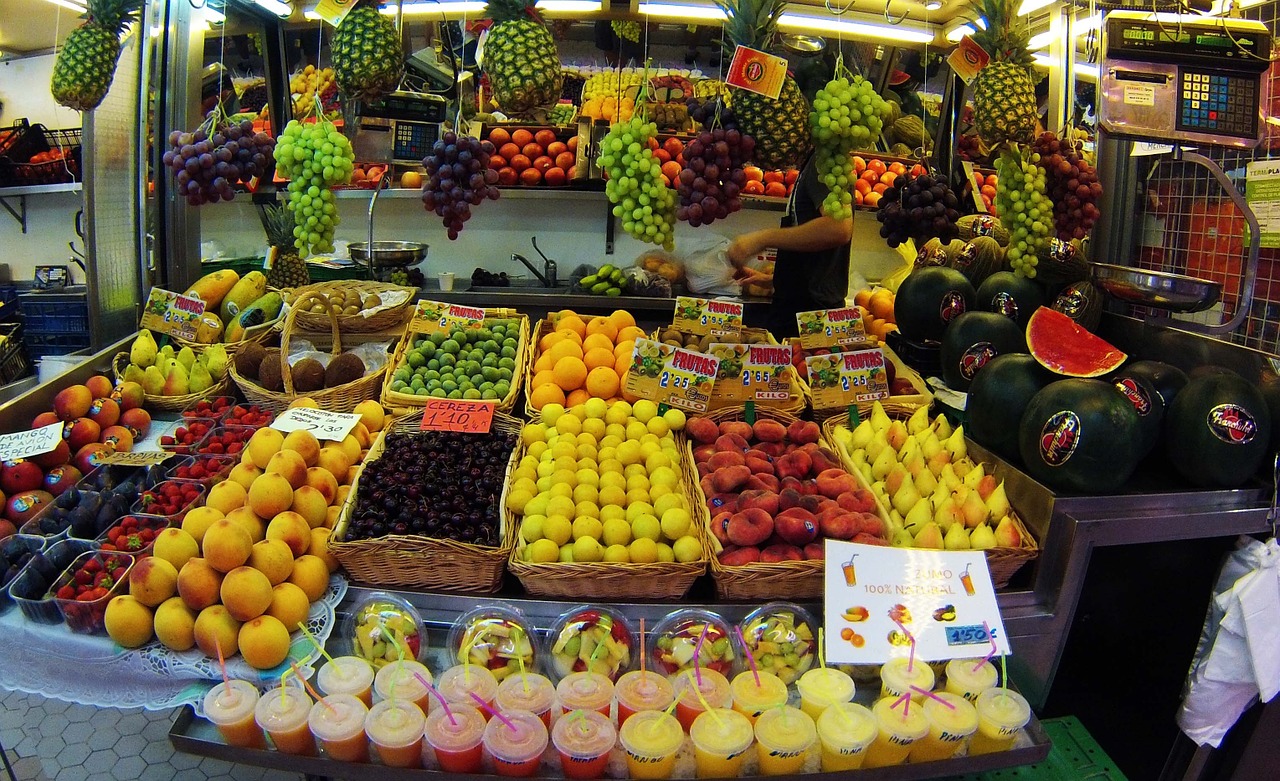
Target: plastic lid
723 732
961 718
394 724
675 638
783 637
457 683
847 723
786 730
652 733
895 677
770 692
278 713
230 702
962 672
363 629
345 675
342 717
495 635
526 741
714 688
398 678
825 685
460 733
538 698
586 691
905 721
584 734
644 689
577 636
1004 707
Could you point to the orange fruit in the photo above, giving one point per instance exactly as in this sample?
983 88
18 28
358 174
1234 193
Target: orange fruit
888 178
580 396
601 325
603 382
872 165
621 319
624 349
753 187
572 322
862 186
753 173
599 356
630 334
597 340
897 168
881 304
546 394
775 189
862 297
542 378
521 137
549 340
570 373
499 136
879 189
542 364
871 199
565 349
671 170
771 177
621 365
859 165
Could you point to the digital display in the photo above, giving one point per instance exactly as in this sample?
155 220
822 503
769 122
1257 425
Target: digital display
1214 40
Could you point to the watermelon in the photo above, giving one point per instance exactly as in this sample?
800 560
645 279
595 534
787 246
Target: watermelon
1166 378
928 299
997 398
971 340
1079 436
1008 294
1061 345
1082 302
1217 430
1146 401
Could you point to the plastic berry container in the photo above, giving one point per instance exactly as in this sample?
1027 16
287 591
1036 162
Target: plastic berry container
226 440
189 494
134 534
249 415
85 616
497 637
16 552
188 436
674 641
783 638
590 639
215 408
30 590
207 470
382 627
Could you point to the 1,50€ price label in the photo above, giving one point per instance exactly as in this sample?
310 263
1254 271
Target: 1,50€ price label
841 379
753 372
467 416
672 375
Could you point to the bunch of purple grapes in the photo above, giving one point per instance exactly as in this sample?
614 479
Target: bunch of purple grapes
711 114
1072 184
458 177
920 208
207 166
711 181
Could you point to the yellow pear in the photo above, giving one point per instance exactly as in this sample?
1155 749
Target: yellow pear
886 461
152 381
997 502
187 357
930 445
1007 534
956 444
974 511
974 476
862 435
910 449
897 435
879 419
902 539
957 538
142 353
942 426
200 379
929 537
919 421
925 482
906 497
919 515
177 383
982 538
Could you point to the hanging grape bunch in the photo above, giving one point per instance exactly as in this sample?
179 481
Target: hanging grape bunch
208 166
1025 210
626 30
919 208
712 178
712 113
646 206
847 115
1073 187
315 157
458 177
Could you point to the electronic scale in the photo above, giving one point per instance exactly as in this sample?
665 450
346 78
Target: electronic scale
400 127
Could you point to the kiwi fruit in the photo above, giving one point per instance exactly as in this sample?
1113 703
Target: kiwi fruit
248 359
343 369
269 376
308 375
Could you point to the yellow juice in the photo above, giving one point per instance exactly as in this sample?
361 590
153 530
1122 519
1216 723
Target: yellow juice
651 740
949 728
721 738
783 735
845 730
897 728
1001 714
898 675
970 677
822 687
751 700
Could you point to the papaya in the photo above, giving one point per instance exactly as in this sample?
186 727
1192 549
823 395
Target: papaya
250 288
212 288
265 309
208 328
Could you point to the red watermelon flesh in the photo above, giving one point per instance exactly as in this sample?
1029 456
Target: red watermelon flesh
1061 345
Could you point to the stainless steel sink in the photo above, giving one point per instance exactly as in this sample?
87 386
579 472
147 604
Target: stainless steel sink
521 289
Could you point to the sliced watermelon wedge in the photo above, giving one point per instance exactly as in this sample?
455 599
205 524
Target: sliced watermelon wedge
1061 345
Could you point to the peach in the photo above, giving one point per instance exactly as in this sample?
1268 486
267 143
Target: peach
289 465
767 430
226 545
244 473
293 530
838 525
771 449
305 444
702 430
323 481
198 520
735 557
726 458
176 547
796 526
153 580
815 551
803 431
272 494
823 459
704 482
248 520
720 526
333 460
759 466
871 524
216 631
720 502
246 593
741 428
732 442
703 453
272 558
729 479
763 500
867 539
199 584
226 496
834 482
795 464
72 402
788 498
311 505
761 483
264 443
704 469
860 500
749 527
780 551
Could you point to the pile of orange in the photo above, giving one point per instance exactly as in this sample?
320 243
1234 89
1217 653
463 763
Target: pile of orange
582 358
877 311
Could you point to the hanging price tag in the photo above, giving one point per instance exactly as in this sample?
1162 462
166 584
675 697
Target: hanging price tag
467 416
834 328
757 71
752 372
704 316
841 379
429 316
967 59
672 375
331 426
135 458
21 444
170 313
334 11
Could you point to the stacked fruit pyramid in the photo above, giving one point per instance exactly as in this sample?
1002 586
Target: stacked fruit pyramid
579 359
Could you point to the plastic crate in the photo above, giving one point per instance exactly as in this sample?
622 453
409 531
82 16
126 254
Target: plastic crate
241 266
13 363
1075 756
44 345
63 169
56 313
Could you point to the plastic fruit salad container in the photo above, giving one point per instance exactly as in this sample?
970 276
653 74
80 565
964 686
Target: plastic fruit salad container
496 637
83 591
674 643
591 639
781 637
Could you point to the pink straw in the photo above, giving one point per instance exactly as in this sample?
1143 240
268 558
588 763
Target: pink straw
642 666
911 660
905 701
697 653
489 708
931 695
750 656
986 659
439 698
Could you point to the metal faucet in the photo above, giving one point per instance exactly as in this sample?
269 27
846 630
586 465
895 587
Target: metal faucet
548 275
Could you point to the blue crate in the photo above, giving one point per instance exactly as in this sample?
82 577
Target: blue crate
55 313
40 345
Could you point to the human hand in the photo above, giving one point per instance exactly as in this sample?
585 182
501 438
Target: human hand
753 276
743 248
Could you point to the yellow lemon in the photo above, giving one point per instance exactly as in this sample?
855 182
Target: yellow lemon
558 529
531 527
618 554
643 551
543 551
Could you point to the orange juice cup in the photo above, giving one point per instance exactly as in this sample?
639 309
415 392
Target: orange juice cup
963 679
585 691
845 730
640 690
714 689
284 717
896 730
751 699
783 735
397 681
896 679
1001 714
527 691
395 729
338 723
822 687
651 740
230 706
347 675
584 738
720 741
456 741
516 752
949 727
459 682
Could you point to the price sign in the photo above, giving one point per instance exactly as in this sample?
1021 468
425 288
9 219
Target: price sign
757 72
967 59
672 375
468 416
429 316
21 444
332 426
841 379
334 11
752 372
135 458
886 597
833 328
704 316
171 313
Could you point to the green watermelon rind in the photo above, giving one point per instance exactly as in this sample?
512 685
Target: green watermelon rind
1103 457
1050 334
998 398
1000 332
1201 458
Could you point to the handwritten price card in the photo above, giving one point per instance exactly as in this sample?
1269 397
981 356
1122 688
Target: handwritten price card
752 372
707 316
170 313
429 316
672 375
879 599
841 379
332 426
22 444
467 416
135 458
833 328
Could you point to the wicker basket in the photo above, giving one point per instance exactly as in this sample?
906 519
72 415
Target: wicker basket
1004 563
425 562
614 580
923 397
393 317
343 398
403 403
174 403
259 334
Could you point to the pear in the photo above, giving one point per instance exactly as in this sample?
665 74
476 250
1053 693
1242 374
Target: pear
973 478
931 446
948 477
187 357
142 353
215 358
200 380
938 461
925 482
177 383
948 515
879 419
961 466
921 514
893 480
891 525
902 539
876 446
916 467
152 381
942 426
997 502
1007 534
166 351
986 485
865 471
907 496
858 457
897 435
919 421
884 462
896 519
929 537
974 511
957 538
956 444
940 496
982 538
877 488
862 435
910 450
133 373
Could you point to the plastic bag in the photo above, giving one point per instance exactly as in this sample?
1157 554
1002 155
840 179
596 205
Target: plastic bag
662 263
708 270
372 354
646 283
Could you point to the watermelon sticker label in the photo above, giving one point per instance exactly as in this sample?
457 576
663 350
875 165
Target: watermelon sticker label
975 358
752 372
1136 394
965 257
985 225
832 328
841 379
1005 304
952 306
704 316
672 375
1059 437
1232 424
431 316
1071 303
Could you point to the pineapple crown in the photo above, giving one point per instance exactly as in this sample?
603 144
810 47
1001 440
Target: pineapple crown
1005 38
513 10
278 223
114 15
752 23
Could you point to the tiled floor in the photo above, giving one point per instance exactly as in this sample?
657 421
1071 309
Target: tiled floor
50 740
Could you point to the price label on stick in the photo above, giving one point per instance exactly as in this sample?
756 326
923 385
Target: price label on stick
841 379
672 375
332 426
429 316
704 316
752 372
170 313
334 11
22 444
468 416
833 328
135 458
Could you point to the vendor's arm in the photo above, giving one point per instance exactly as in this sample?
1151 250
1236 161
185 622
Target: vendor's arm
821 233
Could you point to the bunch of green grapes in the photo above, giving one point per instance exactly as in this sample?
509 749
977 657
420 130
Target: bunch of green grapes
627 30
646 206
315 157
1024 207
847 116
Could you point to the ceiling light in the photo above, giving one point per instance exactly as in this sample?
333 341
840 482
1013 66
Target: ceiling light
1088 70
276 7
889 32
429 8
935 5
1031 6
69 4
955 34
1042 41
677 11
570 6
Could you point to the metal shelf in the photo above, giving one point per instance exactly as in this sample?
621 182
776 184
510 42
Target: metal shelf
21 193
749 203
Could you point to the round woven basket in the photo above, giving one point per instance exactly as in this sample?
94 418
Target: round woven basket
389 318
174 403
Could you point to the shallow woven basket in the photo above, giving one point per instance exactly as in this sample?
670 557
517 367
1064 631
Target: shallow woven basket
923 397
403 403
759 581
1004 563
175 403
392 317
426 562
343 398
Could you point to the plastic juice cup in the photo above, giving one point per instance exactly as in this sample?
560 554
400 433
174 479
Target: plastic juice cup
538 699
339 726
397 679
651 739
751 699
230 706
639 691
458 683
585 691
896 680
822 687
845 730
284 718
456 741
720 738
395 729
714 688
1001 714
783 735
967 682
895 732
584 739
348 675
516 752
949 728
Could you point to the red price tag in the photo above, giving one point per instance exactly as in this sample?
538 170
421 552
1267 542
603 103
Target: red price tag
471 417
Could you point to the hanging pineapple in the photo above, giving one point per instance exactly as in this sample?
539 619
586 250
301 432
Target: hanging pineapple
85 66
367 60
1004 94
780 127
288 269
521 59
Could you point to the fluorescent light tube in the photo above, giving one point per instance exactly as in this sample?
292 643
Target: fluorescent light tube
427 9
1031 6
569 6
886 32
678 11
68 4
276 7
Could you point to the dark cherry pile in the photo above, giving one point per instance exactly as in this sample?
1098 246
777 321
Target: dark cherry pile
435 484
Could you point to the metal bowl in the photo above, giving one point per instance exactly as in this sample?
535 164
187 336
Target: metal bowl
388 254
803 45
1157 289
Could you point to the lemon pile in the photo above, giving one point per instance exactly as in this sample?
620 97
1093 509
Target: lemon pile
601 481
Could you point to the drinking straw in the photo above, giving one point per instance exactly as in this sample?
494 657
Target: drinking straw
439 698
319 645
906 700
697 653
750 656
933 696
706 706
307 685
991 653
642 660
492 712
222 663
466 659
524 676
1004 674
672 707
822 657
391 638
595 654
911 660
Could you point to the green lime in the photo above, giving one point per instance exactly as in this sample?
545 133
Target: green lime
471 393
455 394
490 361
432 374
415 359
449 385
503 389
398 387
507 363
488 393
490 373
438 338
505 374
508 351
450 346
438 393
428 349
421 392
446 360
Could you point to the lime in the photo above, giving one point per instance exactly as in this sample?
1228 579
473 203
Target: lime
503 389
508 351
490 373
488 393
450 346
471 393
505 374
438 338
398 386
449 385
445 360
434 363
506 363
490 360
421 392
415 359
428 349
437 393
456 394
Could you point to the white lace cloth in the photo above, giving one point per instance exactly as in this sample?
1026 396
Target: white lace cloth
53 661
